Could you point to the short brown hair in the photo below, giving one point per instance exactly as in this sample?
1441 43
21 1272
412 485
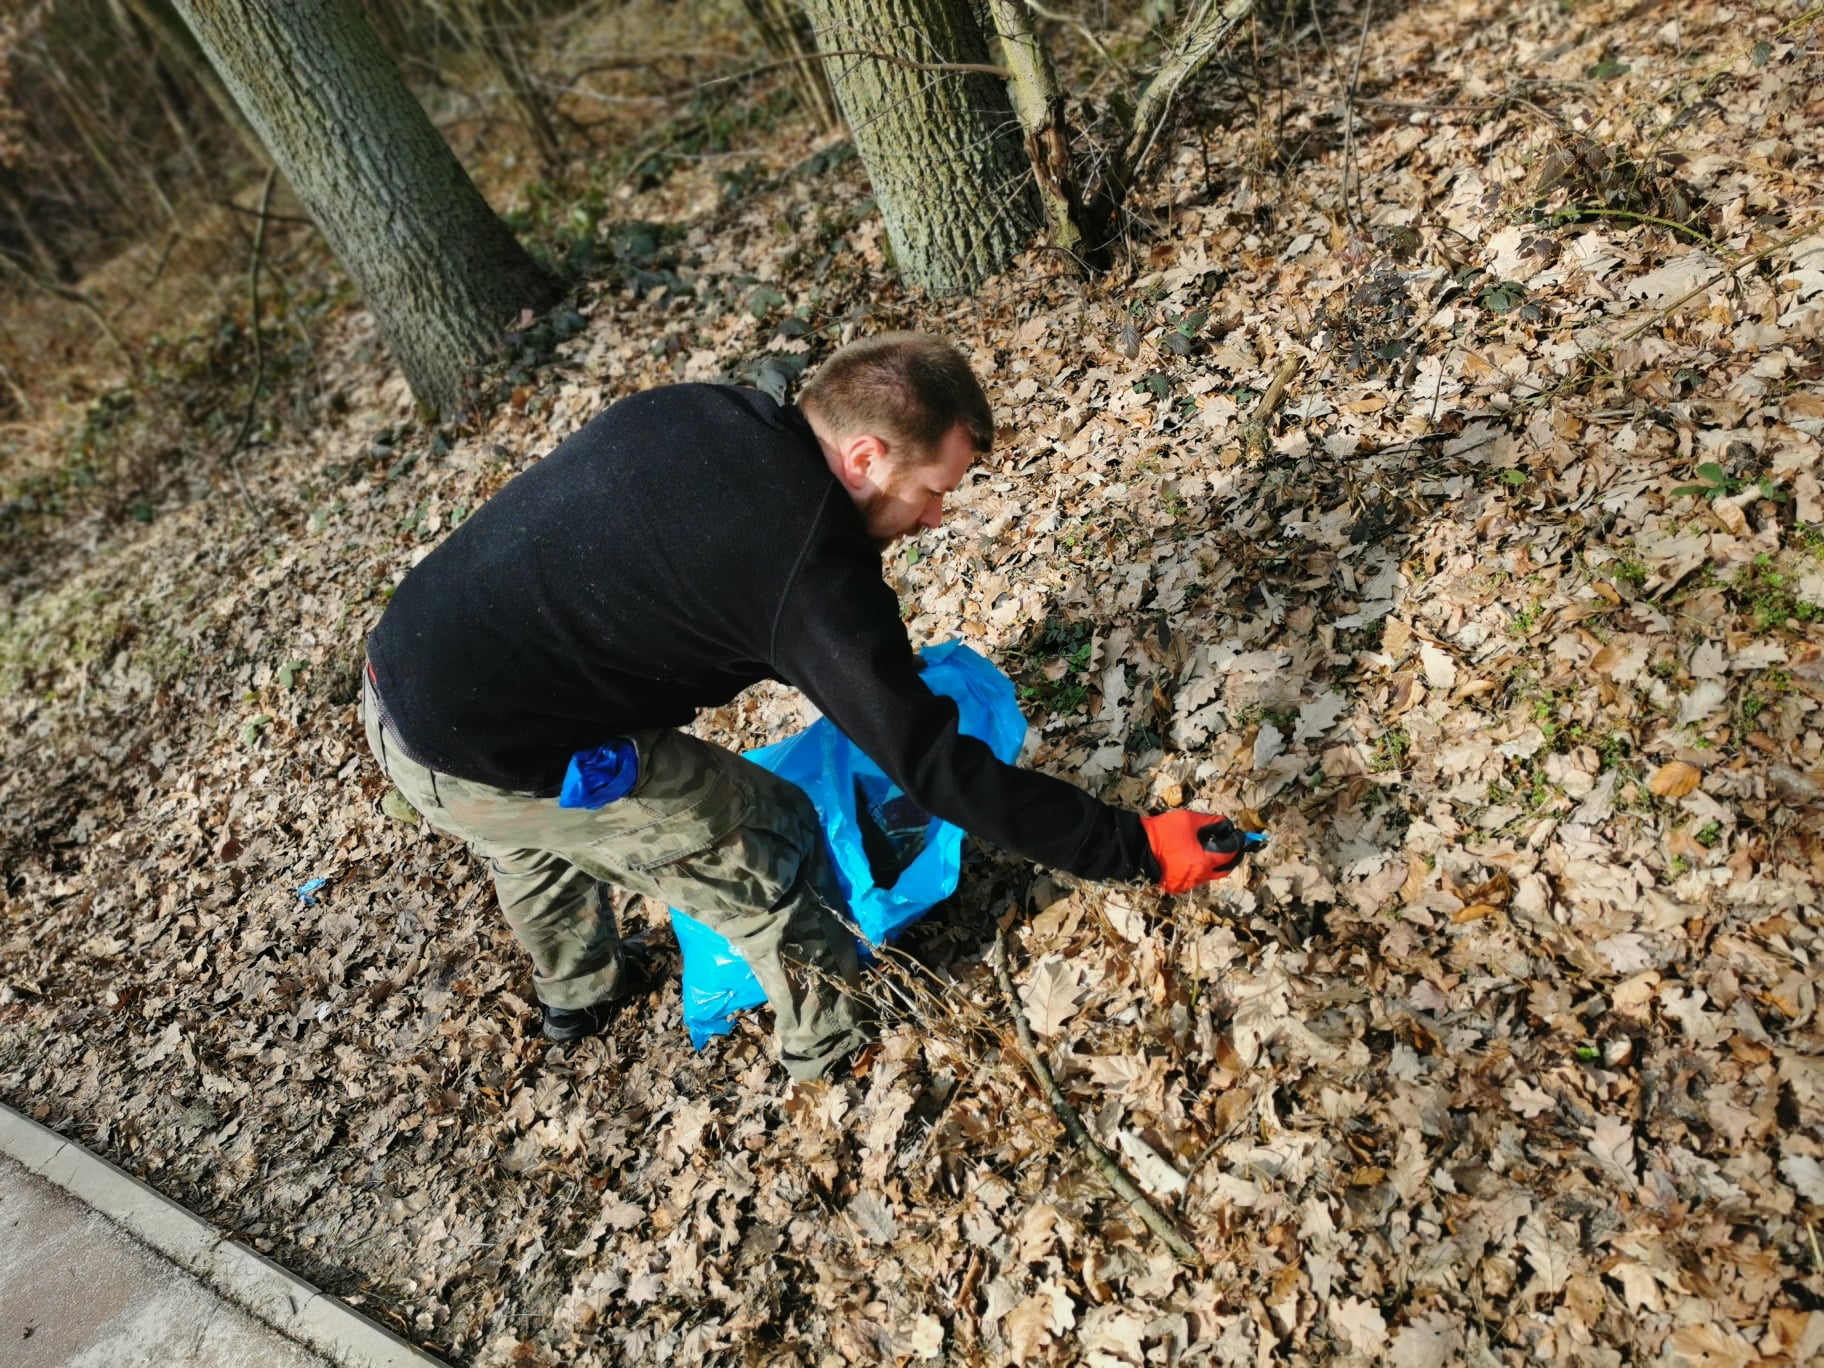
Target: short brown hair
908 388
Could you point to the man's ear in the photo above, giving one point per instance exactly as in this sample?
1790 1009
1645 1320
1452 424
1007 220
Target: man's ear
862 461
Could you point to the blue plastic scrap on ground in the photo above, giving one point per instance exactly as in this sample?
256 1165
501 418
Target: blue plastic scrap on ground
894 861
308 887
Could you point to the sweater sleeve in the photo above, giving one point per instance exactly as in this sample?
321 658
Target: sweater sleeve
839 639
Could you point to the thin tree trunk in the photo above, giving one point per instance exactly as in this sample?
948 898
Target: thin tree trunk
396 35
50 264
786 34
440 271
101 158
107 105
1202 35
135 38
1033 87
942 148
505 68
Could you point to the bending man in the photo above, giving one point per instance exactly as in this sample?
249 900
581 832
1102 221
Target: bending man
688 542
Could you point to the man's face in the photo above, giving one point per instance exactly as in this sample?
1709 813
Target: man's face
907 496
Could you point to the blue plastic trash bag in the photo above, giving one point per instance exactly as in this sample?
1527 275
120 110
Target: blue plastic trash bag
895 861
597 777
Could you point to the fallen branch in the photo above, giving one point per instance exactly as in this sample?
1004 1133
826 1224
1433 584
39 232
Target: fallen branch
1073 1124
1666 310
1573 213
1254 434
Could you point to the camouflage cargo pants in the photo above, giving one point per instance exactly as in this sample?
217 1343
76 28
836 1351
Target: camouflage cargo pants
703 830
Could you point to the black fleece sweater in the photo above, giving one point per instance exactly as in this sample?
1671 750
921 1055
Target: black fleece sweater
689 542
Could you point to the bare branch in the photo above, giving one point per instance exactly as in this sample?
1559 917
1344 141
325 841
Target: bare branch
1352 175
1073 1124
1204 33
1089 36
262 215
69 295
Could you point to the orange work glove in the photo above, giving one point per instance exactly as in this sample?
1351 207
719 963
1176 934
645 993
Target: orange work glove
1177 841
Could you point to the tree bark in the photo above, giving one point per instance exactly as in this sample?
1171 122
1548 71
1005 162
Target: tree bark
438 268
942 148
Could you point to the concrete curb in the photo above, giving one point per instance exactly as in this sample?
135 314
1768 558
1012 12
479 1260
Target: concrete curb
268 1292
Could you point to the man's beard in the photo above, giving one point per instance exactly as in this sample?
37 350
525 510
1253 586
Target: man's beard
871 510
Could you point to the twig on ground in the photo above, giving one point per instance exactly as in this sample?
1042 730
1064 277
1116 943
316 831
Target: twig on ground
259 349
1665 310
1073 1124
27 409
1410 444
1571 213
1254 435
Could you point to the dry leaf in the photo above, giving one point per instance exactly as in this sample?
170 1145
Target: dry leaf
874 1218
1359 1324
1674 779
1440 669
1153 1170
1052 994
1436 1341
1613 1144
164 997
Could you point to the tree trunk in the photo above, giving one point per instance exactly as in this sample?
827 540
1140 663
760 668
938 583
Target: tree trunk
440 271
942 147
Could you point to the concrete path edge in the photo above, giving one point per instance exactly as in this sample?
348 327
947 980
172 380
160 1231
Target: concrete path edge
265 1290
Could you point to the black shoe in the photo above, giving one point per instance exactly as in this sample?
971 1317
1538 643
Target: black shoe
639 976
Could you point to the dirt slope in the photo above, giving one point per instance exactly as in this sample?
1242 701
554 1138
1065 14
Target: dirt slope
1511 633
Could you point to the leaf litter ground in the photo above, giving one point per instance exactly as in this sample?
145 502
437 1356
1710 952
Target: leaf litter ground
1513 637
